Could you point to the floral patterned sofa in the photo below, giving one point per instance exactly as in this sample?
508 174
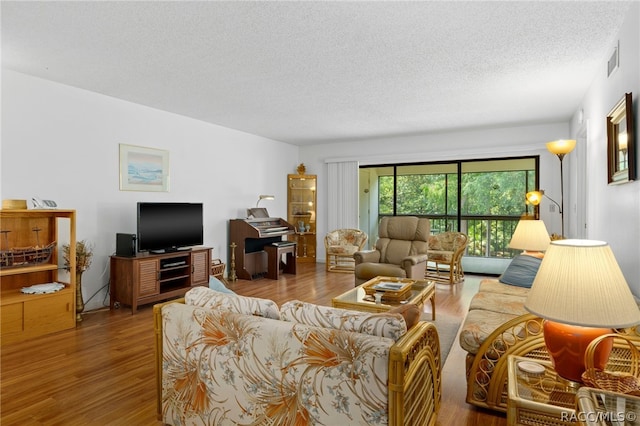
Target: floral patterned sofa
226 359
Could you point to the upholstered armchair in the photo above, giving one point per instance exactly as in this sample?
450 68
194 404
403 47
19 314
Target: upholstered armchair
339 247
401 250
445 257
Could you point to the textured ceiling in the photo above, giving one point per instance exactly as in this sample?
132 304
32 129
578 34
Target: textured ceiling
314 72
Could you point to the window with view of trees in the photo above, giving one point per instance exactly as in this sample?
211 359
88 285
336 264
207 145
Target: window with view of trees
484 199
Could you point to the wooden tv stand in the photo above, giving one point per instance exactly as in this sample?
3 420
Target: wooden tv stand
148 278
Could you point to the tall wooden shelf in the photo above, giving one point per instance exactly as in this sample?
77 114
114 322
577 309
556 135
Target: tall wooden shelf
24 316
301 201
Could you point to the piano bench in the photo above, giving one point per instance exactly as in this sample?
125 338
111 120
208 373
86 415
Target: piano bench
274 260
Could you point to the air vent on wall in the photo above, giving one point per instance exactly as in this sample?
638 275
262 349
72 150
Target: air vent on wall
614 60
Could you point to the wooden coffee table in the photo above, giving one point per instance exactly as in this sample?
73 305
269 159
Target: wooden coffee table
357 299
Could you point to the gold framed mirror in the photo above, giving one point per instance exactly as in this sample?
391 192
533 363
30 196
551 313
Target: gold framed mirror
621 142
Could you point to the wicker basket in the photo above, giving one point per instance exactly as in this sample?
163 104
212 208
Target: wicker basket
627 379
217 269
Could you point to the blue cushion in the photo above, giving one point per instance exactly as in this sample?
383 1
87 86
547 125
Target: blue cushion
217 285
521 271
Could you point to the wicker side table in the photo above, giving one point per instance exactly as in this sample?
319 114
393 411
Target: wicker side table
539 398
598 407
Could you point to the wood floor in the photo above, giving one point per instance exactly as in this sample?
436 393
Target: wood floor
102 372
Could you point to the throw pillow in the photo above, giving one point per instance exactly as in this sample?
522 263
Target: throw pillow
217 285
391 325
211 299
410 312
521 271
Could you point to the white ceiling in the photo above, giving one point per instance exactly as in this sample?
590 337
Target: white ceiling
315 72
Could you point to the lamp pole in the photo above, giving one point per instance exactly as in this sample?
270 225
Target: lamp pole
561 157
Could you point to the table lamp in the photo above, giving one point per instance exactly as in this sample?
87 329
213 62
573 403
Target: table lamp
531 236
580 293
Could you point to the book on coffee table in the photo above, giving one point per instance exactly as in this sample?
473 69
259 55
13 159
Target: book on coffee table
389 286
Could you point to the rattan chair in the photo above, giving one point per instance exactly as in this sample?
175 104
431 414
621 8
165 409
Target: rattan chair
445 257
340 245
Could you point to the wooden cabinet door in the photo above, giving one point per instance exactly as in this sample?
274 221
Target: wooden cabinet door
44 315
148 284
200 265
11 317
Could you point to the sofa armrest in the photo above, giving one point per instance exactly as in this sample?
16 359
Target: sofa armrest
366 256
487 376
157 328
415 358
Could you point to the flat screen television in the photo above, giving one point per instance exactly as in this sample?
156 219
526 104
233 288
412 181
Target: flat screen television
166 227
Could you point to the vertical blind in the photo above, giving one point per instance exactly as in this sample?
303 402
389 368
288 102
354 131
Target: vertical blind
342 195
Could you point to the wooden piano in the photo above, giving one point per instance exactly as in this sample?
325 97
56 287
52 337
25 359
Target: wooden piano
251 236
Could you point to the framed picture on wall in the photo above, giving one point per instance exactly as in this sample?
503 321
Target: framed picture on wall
621 144
143 169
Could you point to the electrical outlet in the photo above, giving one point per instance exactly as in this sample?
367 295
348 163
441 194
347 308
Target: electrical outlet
552 208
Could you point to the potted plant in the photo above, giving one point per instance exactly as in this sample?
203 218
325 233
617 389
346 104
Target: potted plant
84 255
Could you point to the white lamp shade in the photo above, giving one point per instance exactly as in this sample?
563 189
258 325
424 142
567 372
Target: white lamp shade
580 283
530 235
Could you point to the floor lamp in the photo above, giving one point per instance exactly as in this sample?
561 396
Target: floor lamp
535 197
561 148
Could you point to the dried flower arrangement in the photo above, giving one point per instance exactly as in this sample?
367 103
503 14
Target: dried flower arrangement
84 255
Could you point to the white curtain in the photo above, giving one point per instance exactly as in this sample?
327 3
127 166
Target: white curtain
342 194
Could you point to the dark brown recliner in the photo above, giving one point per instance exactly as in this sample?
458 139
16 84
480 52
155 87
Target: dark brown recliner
401 250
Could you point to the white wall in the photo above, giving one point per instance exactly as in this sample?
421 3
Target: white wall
613 211
61 143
